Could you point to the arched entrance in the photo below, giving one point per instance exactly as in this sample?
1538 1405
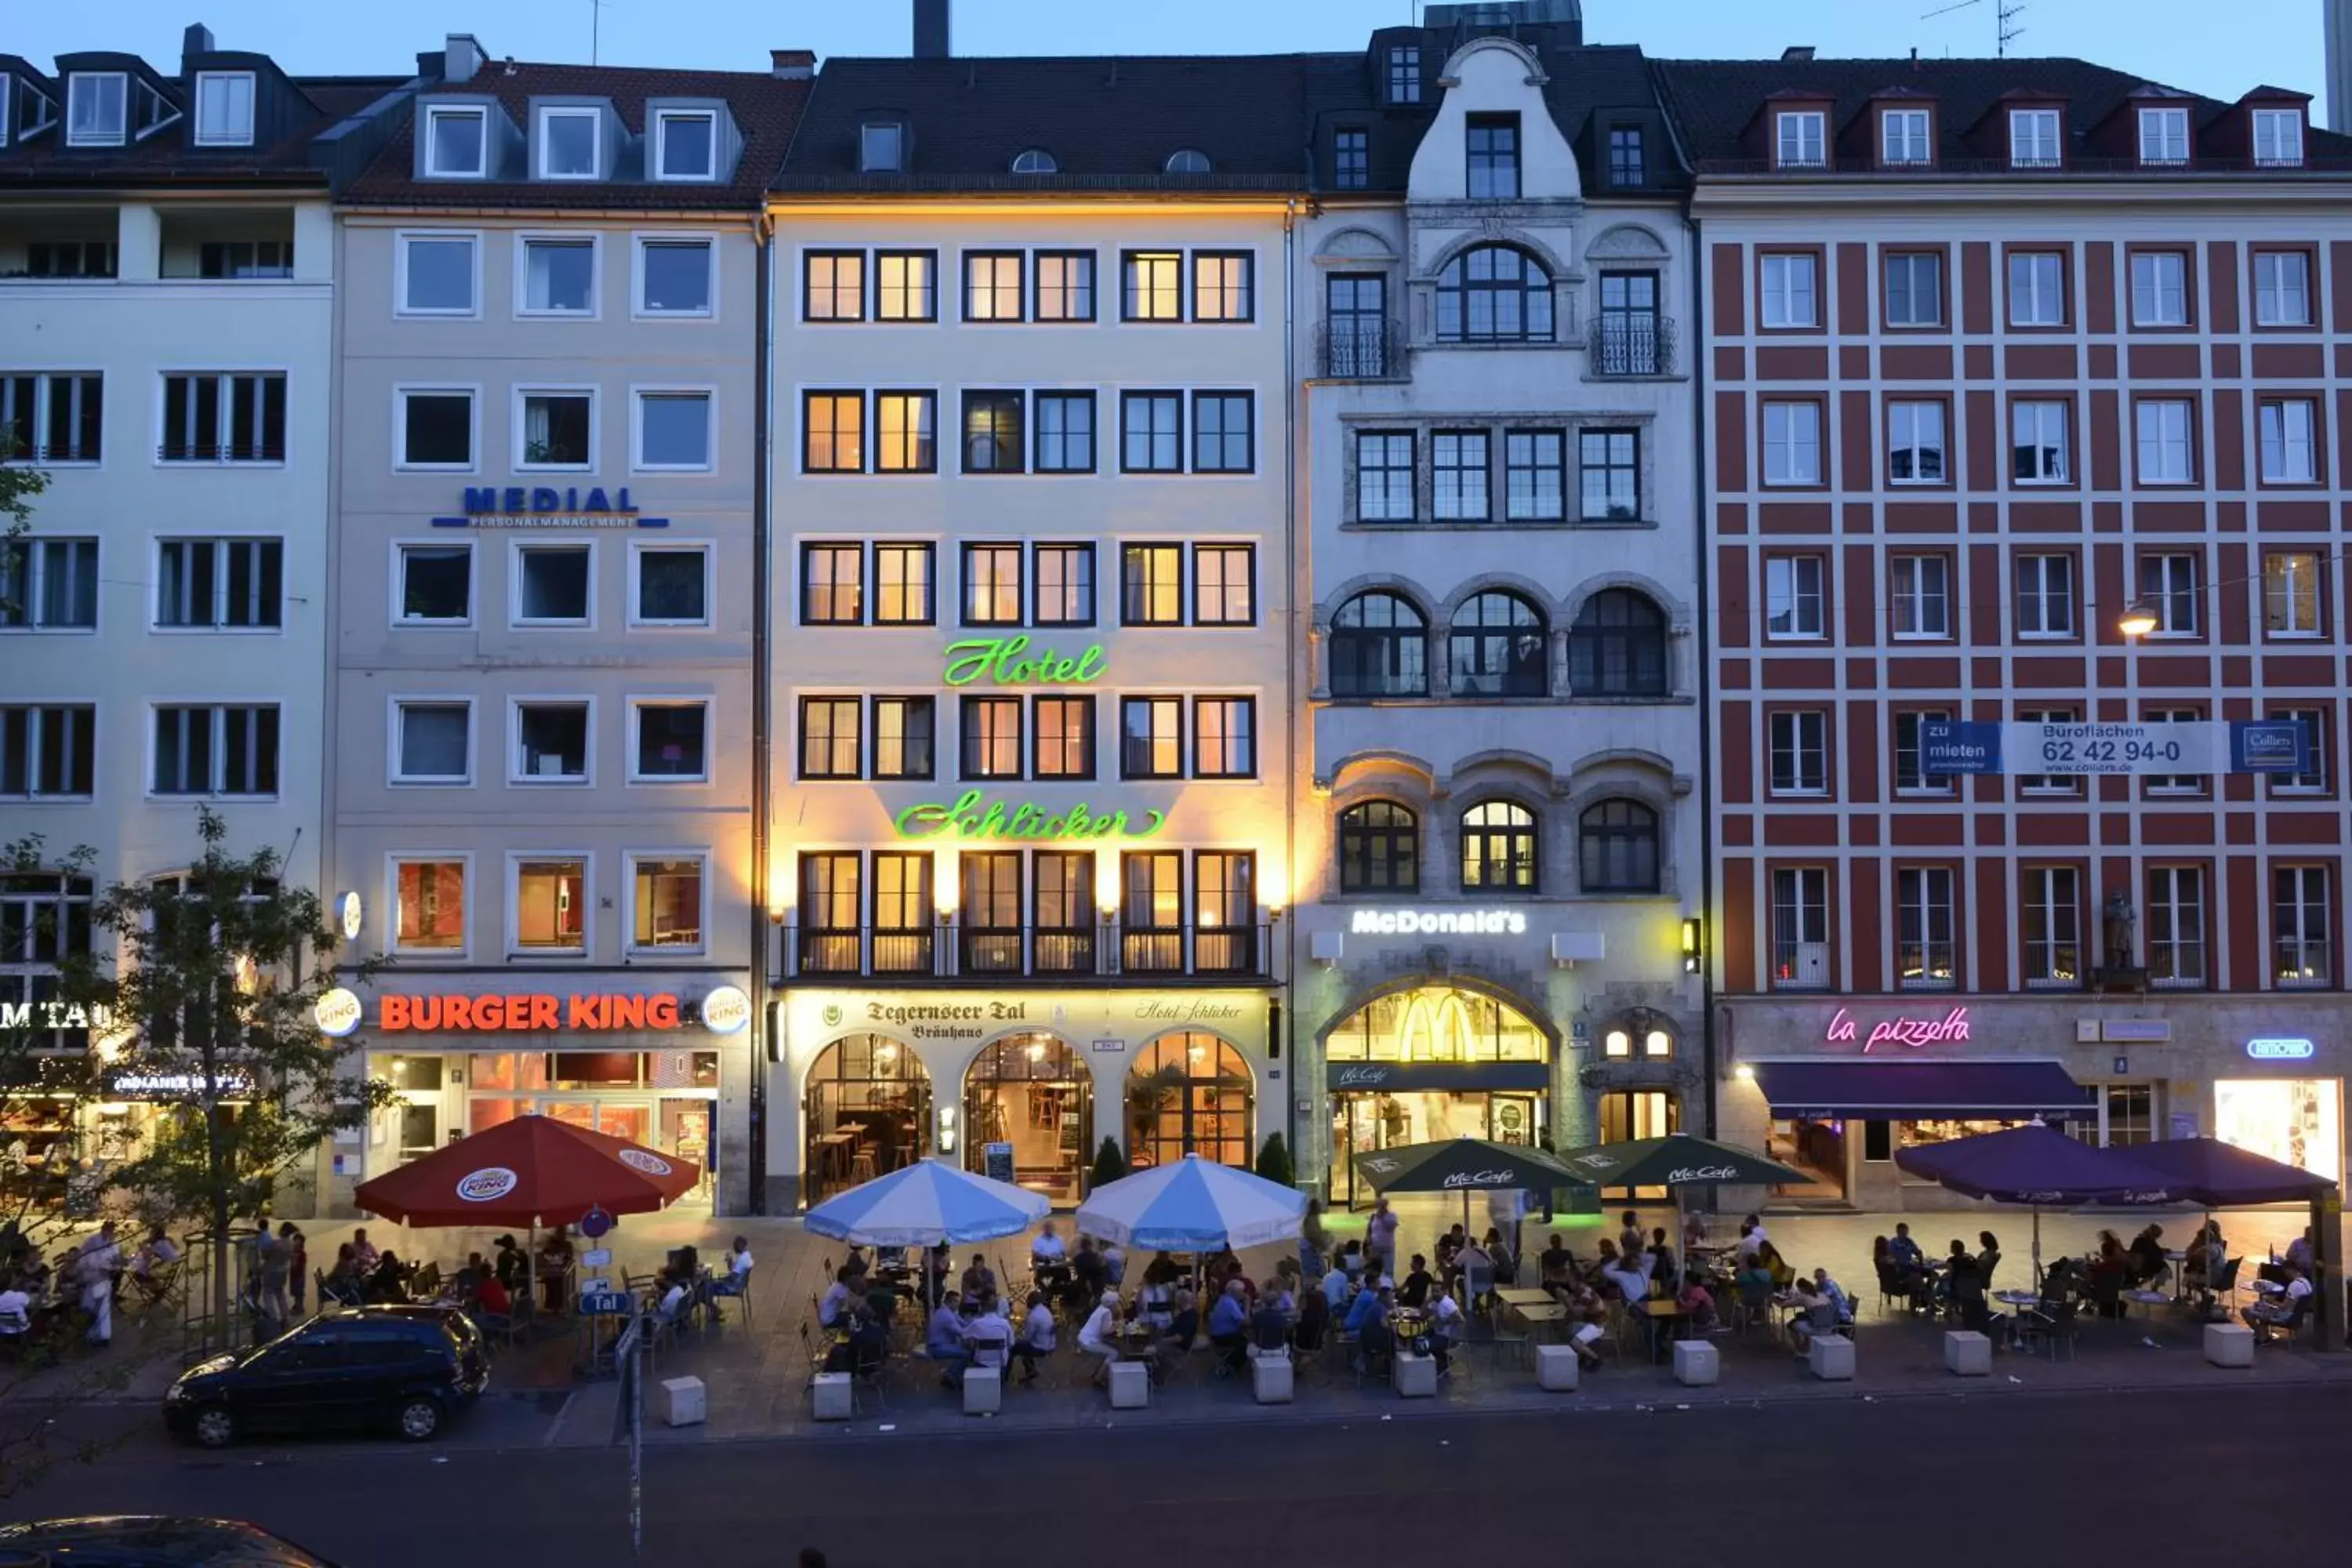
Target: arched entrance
1189 1093
1432 1062
1025 1100
868 1104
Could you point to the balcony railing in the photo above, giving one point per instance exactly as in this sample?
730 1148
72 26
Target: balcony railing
269 450
1100 951
1923 966
1633 345
1360 349
2054 965
1800 965
2302 963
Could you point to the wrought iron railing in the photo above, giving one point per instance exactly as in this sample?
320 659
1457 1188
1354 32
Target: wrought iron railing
1100 951
1633 345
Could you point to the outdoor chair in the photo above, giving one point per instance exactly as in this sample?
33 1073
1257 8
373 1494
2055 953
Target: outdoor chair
1894 1296
2052 1323
729 1287
157 1283
1478 1287
2283 1330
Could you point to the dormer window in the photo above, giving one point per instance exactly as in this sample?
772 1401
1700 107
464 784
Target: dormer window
686 144
2033 139
1802 138
96 105
457 143
1036 161
1188 161
1904 133
224 109
881 148
2163 138
2278 138
568 143
8 107
1404 74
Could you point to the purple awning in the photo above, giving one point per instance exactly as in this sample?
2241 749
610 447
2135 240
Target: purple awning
2220 1176
1882 1091
2037 1165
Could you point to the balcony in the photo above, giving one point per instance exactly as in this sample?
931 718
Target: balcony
1360 349
1108 951
1631 345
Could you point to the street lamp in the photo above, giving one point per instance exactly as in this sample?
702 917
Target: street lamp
2138 620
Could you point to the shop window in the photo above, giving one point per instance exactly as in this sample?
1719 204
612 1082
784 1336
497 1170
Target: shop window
869 1104
1026 1099
1379 849
1189 1093
1435 1024
2297 1122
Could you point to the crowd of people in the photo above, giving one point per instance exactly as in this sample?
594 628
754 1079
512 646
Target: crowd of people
52 1300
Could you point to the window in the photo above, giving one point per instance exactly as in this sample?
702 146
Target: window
1379 849
1800 138
2175 925
906 286
1498 648
216 585
666 904
2278 138
553 585
994 440
1535 476
1222 286
1034 160
1356 328
686 144
833 432
2051 926
2033 139
1224 737
1223 585
557 430
1152 288
1909 778
51 750
1800 757
1061 737
439 274
672 743
1494 294
671 588
436 585
1618 647
1404 73
2039 447
2290 595
429 906
1457 470
51 585
2164 436
436 429
902 903
96 108
1915 444
432 743
1608 474
2045 596
1492 141
903 730
1224 432
1351 159
991 286
833 286
675 277
224 109
881 148
2160 289
1791 299
992 585
1904 134
1152 585
2163 136
1792 443
68 258
559 277
2169 583
1794 596
673 430
1632 339
902 586
1625 162
1921 589
1498 848
2299 926
1065 285
905 432
1188 161
457 143
829 737
2037 288
1152 900
552 905
1915 288
225 417
1379 647
1062 579
832 584
2289 453
1152 430
52 418
1617 847
222 750
1799 958
1066 432
991 737
2283 289
2048 784
1151 737
2315 733
1925 959
1384 476
1063 907
551 740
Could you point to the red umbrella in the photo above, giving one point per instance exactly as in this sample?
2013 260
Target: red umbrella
531 1171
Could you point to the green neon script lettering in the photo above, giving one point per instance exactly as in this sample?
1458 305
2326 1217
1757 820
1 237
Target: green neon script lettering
973 815
1008 661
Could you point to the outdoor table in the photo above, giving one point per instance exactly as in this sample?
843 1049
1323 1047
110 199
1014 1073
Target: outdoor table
2179 1260
2264 1287
1666 1319
1538 1317
1522 1296
2151 1299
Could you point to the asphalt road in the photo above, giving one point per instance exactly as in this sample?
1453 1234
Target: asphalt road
2021 1481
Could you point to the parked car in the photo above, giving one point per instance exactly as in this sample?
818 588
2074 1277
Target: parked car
136 1541
407 1368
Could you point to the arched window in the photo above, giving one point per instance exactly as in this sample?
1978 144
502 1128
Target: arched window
1498 848
1617 847
1032 1092
1036 161
1494 294
1379 849
1380 647
868 1104
1188 161
1618 647
1497 648
1189 1093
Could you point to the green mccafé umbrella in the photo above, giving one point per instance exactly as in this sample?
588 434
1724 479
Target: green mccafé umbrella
1676 1162
1465 1165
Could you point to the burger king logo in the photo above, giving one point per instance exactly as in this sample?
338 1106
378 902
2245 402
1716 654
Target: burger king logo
336 1013
488 1185
638 1160
725 1010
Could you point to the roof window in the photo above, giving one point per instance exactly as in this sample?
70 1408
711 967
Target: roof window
882 147
96 107
224 109
1188 161
1036 161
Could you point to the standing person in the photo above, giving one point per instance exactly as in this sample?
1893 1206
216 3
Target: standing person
94 1267
1380 1238
298 1264
270 1281
365 1250
1506 1208
1314 1241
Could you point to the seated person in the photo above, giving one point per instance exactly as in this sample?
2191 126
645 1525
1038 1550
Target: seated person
1114 1262
1338 1285
1036 1337
1811 1309
1351 1257
1904 1252
2280 1312
1557 1265
1629 1276
1662 1255
979 1279
1783 1272
491 1296
2299 1253
1372 1304
2148 1267
1695 1304
1755 1283
1229 1323
1374 1341
1834 1293
1449 1248
1184 1323
1314 1322
831 1306
1505 1263
1098 1336
737 1274
1447 1328
869 1339
1475 1263
1088 1275
344 1281
1414 1290
943 1343
511 1267
1269 1326
1047 1250
989 1335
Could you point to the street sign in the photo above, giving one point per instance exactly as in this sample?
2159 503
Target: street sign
595 1223
589 1286
2113 749
602 1304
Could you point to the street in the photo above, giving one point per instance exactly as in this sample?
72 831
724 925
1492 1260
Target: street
1955 1480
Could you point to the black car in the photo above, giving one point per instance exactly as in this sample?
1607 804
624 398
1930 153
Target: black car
134 1541
408 1368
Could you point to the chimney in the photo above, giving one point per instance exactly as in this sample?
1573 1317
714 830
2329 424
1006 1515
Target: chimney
791 64
461 56
931 30
196 40
1795 53
2337 14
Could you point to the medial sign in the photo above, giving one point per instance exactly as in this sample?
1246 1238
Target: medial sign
547 506
2114 749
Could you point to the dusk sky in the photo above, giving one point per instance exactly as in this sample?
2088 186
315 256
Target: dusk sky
2183 43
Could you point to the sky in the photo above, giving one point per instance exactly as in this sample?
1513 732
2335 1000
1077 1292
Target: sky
2202 46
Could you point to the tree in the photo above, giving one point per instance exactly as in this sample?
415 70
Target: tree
1110 1166
1273 1161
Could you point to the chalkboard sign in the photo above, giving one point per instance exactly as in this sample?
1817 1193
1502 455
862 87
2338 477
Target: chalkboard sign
83 1190
1069 1131
997 1161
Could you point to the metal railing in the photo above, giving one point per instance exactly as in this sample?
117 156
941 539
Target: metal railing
1925 966
1633 345
268 451
1102 950
1360 349
2301 963
2054 965
1800 966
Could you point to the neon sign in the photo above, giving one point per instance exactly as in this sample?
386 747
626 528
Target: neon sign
1007 661
2279 1050
974 815
1438 923
1912 1030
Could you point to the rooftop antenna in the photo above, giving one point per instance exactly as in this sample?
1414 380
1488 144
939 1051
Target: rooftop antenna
2005 15
595 30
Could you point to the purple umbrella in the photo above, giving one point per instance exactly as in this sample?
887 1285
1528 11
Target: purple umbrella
2221 1175
2041 1167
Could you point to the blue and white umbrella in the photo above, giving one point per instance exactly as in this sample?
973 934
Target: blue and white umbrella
925 1204
1192 1205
